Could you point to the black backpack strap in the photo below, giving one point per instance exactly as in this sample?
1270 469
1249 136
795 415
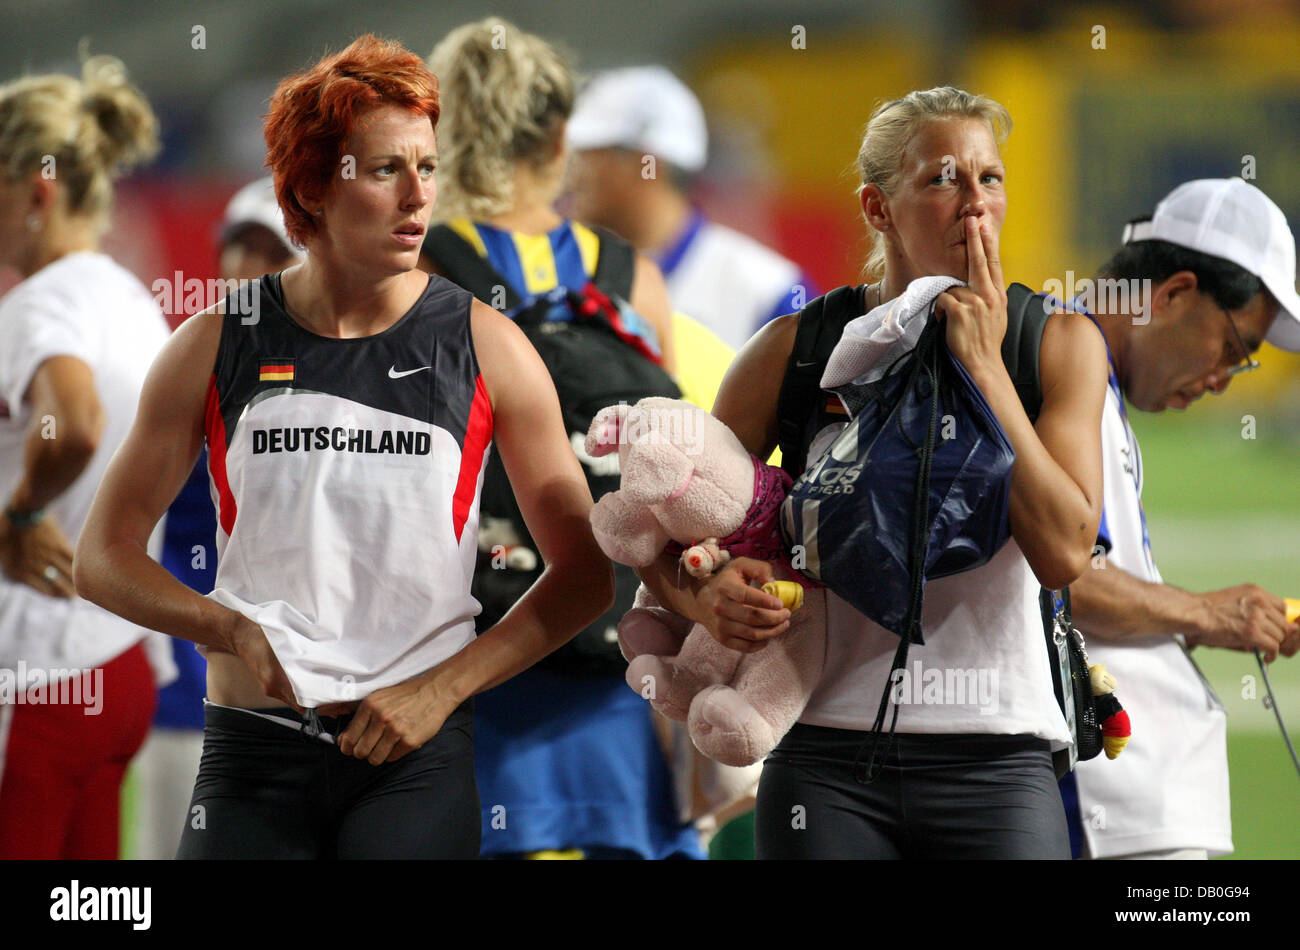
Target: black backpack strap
821 324
615 265
1027 314
461 264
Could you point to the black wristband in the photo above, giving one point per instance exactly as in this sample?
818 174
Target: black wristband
25 519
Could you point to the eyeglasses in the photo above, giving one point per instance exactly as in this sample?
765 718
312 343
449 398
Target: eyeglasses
1248 362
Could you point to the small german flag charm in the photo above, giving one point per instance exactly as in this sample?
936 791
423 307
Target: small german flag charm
276 370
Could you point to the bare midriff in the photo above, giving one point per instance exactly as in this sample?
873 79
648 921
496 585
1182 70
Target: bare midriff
232 683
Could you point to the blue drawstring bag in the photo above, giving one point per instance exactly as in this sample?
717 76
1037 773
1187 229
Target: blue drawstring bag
917 486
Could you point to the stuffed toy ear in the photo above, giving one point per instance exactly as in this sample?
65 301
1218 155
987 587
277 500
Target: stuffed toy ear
603 436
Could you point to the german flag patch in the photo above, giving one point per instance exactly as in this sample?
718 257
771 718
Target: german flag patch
276 370
834 407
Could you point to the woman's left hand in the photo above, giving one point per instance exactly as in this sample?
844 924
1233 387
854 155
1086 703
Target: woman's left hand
977 314
393 721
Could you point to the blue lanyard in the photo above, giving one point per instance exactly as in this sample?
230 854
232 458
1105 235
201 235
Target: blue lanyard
670 258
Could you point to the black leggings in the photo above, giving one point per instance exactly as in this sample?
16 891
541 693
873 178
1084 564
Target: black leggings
937 797
266 790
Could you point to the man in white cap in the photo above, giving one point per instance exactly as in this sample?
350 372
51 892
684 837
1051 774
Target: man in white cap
640 139
253 237
1211 275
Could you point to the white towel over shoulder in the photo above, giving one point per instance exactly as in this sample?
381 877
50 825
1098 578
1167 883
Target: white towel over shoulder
874 340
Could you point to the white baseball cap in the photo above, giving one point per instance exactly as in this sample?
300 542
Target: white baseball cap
255 203
1234 220
643 108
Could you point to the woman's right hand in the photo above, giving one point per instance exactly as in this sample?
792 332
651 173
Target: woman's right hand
736 611
38 556
249 643
976 315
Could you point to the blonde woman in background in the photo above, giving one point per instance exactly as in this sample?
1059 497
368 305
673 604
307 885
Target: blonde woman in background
566 764
503 161
79 335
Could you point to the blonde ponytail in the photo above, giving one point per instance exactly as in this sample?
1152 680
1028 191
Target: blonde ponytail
82 133
506 95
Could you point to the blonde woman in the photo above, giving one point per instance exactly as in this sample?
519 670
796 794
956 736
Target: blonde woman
565 763
965 779
79 333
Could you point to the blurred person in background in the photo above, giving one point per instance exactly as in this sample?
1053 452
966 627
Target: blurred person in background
1209 277
640 138
79 333
568 765
728 283
253 239
342 656
252 242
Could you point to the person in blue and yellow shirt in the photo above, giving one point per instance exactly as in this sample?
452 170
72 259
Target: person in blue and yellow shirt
567 766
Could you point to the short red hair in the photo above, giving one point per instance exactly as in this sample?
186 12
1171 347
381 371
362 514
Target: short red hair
312 114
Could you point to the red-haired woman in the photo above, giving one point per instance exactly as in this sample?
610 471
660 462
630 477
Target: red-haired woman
348 405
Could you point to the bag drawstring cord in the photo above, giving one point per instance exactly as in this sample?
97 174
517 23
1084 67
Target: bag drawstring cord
929 364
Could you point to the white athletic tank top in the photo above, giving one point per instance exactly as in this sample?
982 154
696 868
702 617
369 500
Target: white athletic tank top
346 477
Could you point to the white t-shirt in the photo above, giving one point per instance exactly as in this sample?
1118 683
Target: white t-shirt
1168 789
729 282
83 305
983 669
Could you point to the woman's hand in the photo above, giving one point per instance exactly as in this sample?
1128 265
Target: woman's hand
391 722
38 556
977 314
249 643
736 611
1056 481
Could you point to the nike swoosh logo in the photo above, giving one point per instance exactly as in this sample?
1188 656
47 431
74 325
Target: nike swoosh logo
394 374
802 365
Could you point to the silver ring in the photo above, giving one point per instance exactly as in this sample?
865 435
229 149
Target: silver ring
51 573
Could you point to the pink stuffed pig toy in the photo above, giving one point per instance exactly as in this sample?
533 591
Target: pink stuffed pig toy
688 485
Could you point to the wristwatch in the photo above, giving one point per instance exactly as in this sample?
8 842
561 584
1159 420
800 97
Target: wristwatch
25 519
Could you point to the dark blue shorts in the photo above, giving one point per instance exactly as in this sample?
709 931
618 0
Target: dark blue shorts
937 797
266 790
